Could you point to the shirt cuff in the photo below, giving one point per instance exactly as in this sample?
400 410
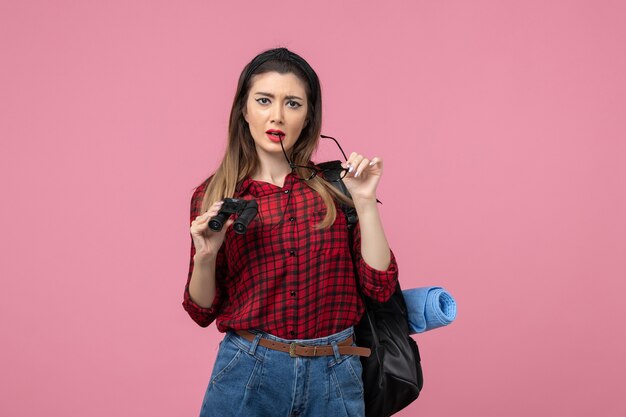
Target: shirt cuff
201 315
378 284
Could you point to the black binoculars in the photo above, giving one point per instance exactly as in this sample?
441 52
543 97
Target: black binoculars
246 209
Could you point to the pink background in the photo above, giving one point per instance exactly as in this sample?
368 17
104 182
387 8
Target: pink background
502 127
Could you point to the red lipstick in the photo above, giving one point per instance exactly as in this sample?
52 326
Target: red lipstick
275 135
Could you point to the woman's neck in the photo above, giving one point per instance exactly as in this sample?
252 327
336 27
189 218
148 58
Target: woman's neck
273 172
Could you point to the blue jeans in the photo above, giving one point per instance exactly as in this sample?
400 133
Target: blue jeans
250 380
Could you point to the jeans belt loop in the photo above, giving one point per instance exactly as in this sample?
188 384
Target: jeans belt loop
335 350
255 343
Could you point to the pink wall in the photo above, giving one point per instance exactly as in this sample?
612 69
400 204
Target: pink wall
502 127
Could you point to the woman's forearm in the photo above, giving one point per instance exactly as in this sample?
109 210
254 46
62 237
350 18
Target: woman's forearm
374 246
202 283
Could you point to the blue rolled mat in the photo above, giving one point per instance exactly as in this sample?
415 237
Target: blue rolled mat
429 308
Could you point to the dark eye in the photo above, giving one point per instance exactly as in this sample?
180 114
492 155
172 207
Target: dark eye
293 104
259 100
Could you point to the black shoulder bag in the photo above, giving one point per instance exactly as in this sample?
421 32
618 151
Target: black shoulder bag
392 374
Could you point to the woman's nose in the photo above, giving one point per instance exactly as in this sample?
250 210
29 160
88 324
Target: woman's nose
277 114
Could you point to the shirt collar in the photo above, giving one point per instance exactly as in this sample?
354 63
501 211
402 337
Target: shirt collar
261 188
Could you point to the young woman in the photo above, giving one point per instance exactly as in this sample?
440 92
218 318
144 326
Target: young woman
285 291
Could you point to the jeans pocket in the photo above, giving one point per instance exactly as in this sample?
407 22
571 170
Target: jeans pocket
346 375
227 357
235 367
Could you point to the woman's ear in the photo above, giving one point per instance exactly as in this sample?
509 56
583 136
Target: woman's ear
306 122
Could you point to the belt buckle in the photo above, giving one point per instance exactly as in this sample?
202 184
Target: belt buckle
292 349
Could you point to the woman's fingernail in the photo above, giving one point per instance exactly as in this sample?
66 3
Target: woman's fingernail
351 168
372 163
356 175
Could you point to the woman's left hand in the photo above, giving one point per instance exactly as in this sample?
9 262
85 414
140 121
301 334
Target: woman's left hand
364 176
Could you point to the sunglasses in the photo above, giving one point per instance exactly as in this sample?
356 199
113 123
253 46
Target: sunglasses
330 171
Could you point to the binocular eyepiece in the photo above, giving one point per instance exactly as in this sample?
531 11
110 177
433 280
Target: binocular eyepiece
246 209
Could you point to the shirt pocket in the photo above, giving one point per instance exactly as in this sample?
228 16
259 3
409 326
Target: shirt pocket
327 241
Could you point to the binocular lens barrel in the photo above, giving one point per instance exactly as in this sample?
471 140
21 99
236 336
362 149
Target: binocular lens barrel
239 227
244 219
217 222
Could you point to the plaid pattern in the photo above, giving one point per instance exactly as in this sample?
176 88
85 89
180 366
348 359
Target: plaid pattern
283 276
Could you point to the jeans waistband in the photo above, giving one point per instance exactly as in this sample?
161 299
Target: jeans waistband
327 340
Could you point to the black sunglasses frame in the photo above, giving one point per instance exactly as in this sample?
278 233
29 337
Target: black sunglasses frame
315 171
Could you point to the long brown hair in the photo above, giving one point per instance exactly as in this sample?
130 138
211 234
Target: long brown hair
240 158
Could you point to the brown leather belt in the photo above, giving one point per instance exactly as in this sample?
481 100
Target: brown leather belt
296 349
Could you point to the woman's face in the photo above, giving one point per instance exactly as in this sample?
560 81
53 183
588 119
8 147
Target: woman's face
276 103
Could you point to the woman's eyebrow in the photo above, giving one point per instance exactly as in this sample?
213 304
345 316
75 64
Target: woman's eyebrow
270 95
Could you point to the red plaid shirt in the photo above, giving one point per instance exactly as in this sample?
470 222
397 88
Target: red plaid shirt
283 276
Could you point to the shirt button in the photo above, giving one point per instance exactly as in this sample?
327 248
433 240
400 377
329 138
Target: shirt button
286 191
292 333
292 293
292 219
292 252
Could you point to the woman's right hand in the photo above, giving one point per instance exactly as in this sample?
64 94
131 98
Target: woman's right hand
206 241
